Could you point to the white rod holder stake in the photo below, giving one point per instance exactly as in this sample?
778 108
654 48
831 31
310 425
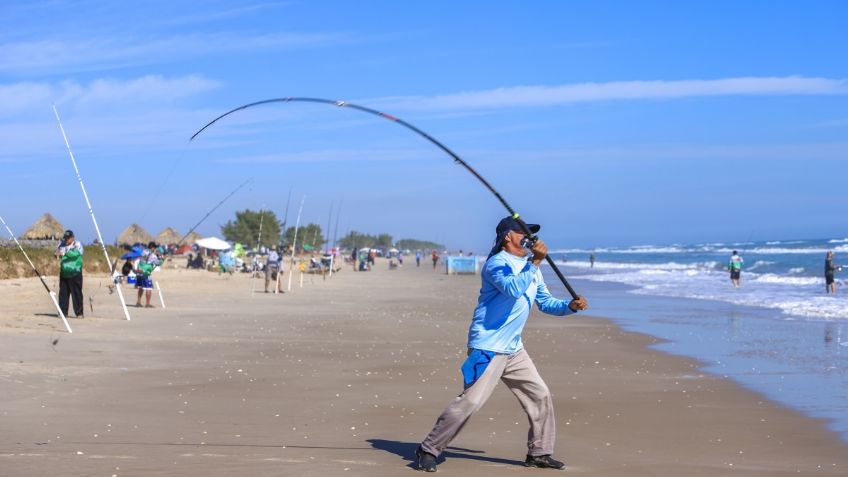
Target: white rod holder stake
59 310
91 212
301 279
294 242
161 300
255 261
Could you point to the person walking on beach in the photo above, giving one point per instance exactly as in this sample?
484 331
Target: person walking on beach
735 268
829 269
273 266
418 256
69 252
512 281
435 256
146 264
591 260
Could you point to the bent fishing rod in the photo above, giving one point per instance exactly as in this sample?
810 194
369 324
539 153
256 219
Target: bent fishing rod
38 274
344 104
213 210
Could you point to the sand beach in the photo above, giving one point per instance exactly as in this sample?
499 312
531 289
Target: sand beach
345 376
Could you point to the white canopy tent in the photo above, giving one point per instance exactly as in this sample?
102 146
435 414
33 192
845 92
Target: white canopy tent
213 243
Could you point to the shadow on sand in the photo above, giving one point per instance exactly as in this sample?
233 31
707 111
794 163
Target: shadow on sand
406 450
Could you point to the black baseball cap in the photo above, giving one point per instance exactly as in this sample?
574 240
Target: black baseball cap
511 224
68 233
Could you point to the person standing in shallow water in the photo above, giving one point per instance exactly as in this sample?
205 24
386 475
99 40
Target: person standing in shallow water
735 268
69 252
512 282
829 270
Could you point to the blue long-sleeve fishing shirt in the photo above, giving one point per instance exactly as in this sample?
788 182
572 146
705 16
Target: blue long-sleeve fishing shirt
510 286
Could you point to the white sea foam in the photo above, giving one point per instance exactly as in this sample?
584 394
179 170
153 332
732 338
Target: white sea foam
782 279
640 266
787 250
792 295
760 264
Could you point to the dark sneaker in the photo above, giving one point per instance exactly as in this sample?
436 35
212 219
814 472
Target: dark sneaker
426 461
543 462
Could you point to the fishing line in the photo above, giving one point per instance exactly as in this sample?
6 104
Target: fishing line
38 274
91 211
214 209
456 158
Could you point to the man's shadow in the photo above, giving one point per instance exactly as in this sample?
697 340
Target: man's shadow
406 451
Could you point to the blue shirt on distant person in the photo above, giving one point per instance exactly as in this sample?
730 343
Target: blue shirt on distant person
511 285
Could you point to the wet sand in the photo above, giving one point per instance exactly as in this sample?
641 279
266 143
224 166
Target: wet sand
345 377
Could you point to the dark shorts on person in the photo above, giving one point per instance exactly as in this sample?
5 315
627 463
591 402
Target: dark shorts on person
144 282
734 274
828 279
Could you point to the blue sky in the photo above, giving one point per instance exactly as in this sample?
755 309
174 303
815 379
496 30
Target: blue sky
610 123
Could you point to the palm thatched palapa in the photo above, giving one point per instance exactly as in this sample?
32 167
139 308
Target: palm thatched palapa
168 236
191 238
45 228
134 234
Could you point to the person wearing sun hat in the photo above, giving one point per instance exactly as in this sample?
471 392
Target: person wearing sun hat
512 282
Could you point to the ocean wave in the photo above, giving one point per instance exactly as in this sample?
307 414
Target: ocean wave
788 250
760 264
792 295
666 266
629 250
782 279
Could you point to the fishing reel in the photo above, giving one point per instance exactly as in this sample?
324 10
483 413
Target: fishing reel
529 241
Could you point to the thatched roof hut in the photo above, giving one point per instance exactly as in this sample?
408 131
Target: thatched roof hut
45 228
191 238
168 236
134 234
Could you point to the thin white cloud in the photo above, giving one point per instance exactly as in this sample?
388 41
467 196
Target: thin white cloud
325 155
540 96
52 56
675 152
16 98
20 96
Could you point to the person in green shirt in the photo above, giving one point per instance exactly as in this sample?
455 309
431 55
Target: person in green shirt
148 262
69 252
734 265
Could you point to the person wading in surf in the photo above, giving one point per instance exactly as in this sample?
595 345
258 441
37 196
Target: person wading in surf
512 281
734 266
829 269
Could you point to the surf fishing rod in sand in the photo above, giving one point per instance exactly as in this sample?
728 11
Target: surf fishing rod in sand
38 274
91 212
531 238
214 209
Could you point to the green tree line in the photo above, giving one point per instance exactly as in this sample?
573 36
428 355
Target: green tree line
245 230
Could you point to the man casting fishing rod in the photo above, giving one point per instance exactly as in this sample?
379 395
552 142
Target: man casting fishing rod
69 252
512 281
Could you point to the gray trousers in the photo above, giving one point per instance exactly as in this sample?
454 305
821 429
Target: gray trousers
519 374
